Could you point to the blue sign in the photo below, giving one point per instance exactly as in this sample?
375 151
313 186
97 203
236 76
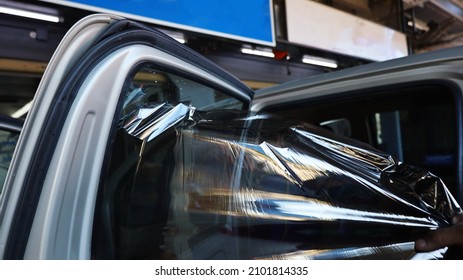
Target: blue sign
246 20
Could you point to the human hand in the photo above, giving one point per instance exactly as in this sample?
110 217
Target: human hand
443 237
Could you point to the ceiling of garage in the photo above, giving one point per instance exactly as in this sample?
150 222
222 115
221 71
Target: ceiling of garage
440 24
27 45
429 24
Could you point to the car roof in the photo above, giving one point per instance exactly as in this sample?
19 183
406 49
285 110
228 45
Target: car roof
412 61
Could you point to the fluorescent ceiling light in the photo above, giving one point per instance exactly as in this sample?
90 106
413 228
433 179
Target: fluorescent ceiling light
260 52
319 61
27 14
22 111
419 24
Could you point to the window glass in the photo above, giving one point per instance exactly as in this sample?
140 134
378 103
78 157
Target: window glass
150 85
416 123
421 135
8 142
133 206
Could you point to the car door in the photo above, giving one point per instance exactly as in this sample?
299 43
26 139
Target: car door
48 202
410 108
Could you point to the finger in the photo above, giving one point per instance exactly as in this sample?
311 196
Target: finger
440 238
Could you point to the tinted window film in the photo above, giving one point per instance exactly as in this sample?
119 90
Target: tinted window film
416 123
184 183
134 203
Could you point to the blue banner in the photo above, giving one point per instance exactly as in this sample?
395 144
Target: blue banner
247 20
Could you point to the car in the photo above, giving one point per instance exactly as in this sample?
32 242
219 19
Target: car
136 147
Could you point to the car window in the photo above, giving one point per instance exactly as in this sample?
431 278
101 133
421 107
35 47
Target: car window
416 124
8 141
134 201
155 86
423 135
